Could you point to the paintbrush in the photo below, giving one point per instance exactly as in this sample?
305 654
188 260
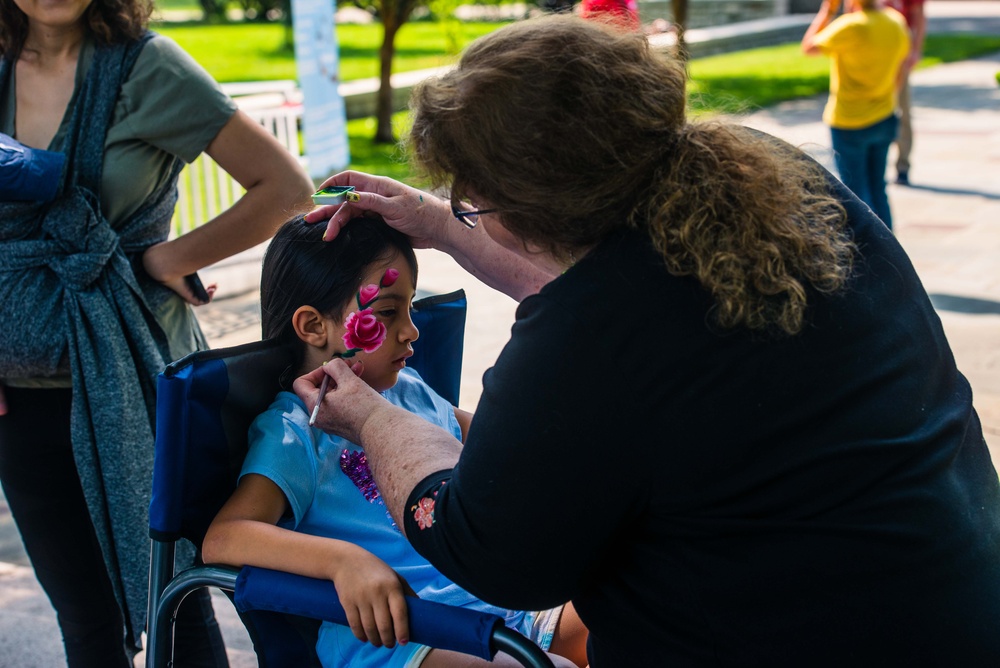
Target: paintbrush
323 387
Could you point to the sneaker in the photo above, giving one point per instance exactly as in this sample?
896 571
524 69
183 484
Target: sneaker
903 178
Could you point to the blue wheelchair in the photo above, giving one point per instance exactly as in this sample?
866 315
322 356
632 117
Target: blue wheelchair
205 404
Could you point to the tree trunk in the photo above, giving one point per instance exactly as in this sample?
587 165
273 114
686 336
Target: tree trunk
286 19
680 12
383 112
213 11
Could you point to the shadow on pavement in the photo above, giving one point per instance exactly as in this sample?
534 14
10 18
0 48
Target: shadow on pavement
960 304
942 190
957 97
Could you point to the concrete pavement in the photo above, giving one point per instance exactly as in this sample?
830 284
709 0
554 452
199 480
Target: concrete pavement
948 221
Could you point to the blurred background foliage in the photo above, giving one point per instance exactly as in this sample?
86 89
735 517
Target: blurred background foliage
251 43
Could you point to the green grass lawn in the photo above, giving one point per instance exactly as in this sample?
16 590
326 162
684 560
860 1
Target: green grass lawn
191 5
259 52
384 159
749 80
730 83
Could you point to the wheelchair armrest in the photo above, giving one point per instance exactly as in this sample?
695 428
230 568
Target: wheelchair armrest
434 624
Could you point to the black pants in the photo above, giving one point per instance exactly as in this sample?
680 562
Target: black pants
42 488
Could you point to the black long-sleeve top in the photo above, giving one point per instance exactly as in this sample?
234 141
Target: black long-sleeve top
724 498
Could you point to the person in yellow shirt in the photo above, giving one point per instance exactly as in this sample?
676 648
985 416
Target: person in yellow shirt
866 45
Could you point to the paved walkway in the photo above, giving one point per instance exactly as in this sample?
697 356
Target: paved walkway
948 221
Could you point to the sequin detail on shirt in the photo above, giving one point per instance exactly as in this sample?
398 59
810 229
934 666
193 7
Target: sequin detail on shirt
354 464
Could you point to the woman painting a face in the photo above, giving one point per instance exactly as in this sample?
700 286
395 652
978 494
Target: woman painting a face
784 466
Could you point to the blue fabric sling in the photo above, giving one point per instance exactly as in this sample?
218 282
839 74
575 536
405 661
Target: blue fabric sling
70 302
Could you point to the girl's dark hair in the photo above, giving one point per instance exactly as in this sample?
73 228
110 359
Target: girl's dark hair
109 21
300 268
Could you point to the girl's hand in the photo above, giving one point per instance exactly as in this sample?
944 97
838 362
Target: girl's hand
419 215
372 596
3 401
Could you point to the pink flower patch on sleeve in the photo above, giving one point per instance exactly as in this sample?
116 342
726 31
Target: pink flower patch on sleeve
423 513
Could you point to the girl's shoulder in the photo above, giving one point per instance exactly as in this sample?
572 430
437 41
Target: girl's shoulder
286 412
282 433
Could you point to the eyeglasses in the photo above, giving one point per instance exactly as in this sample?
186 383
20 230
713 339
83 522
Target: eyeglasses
470 218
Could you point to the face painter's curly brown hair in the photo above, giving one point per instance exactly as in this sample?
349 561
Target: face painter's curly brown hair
110 21
573 130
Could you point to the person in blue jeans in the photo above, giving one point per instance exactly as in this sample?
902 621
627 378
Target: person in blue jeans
867 46
861 157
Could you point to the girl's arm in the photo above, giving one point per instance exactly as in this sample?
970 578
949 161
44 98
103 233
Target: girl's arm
276 189
464 420
244 533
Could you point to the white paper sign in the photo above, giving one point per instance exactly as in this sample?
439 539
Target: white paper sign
318 65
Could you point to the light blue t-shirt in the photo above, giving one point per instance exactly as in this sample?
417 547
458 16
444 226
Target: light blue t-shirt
328 500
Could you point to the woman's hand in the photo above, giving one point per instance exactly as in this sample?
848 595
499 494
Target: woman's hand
154 261
429 223
349 402
276 188
417 214
402 448
3 401
372 596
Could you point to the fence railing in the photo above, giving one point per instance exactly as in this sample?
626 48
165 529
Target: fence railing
204 189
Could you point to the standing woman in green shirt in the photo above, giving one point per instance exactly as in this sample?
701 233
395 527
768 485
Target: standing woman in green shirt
866 46
94 302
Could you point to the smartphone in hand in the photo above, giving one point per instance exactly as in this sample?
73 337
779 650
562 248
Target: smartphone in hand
197 287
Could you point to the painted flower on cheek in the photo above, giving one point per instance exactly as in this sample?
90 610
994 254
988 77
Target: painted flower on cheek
389 277
367 295
364 331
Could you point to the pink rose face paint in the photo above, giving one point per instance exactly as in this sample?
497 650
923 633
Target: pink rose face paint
364 331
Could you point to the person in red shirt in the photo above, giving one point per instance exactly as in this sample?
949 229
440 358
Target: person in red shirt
624 13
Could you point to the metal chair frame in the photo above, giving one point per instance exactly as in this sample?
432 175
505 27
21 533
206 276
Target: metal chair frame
258 367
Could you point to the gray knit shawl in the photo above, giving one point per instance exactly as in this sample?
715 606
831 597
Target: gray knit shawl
70 301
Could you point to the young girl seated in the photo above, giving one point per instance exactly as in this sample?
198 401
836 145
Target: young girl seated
306 502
